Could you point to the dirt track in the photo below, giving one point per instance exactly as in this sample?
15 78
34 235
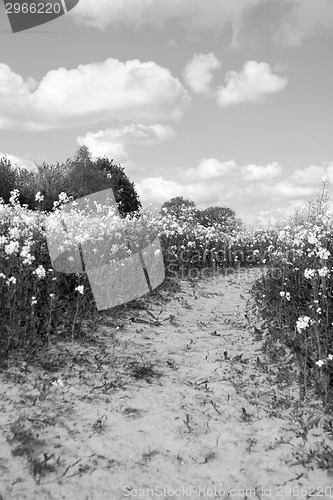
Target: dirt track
187 406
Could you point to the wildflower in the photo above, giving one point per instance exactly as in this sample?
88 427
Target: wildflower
302 323
282 294
51 295
80 289
288 296
58 383
320 363
324 271
40 271
309 273
3 240
11 280
330 357
312 239
39 197
33 301
323 253
2 276
12 247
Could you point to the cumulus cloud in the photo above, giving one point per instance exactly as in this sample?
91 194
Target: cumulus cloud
192 14
291 21
19 162
252 84
135 91
113 142
198 73
248 189
312 173
257 172
303 19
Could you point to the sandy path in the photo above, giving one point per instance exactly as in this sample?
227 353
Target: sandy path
189 407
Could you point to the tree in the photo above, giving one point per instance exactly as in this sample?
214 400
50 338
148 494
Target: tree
124 190
178 206
8 178
222 216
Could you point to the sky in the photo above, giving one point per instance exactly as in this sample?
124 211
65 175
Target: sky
223 102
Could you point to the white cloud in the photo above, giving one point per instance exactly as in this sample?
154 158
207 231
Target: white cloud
290 21
113 142
256 172
135 91
210 168
312 173
248 189
303 19
203 14
252 84
19 162
198 72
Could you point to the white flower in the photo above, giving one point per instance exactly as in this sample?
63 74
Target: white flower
58 383
39 197
2 276
309 273
33 301
40 271
323 253
80 289
302 323
11 280
330 357
288 295
324 271
282 294
14 233
12 247
312 239
320 363
3 240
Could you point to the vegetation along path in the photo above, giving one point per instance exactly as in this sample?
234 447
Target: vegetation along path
173 398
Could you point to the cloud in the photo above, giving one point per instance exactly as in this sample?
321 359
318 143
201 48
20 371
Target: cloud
210 168
192 14
252 84
198 72
135 91
312 173
290 21
304 19
19 162
113 142
248 189
255 172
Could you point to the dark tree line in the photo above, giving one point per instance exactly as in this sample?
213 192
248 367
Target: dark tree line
76 177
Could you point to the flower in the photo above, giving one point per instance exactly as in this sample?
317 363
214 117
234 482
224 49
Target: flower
40 271
39 197
80 289
309 273
288 295
12 247
324 271
11 280
282 294
302 323
33 301
320 363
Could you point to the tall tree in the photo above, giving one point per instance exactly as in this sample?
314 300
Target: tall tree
178 206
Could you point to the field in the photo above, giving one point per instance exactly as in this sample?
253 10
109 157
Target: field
221 378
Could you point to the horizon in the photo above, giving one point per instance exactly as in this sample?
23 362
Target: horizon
223 103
